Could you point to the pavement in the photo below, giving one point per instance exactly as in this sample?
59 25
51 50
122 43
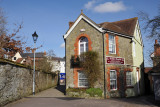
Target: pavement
54 97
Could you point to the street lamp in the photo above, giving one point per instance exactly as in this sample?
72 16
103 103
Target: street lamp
35 37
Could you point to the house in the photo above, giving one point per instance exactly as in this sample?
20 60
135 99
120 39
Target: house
154 72
120 48
27 58
59 65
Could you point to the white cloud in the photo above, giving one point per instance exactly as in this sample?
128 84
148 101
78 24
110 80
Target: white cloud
110 7
62 45
90 4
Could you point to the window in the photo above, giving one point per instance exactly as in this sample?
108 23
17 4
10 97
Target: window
112 46
113 80
82 79
83 45
128 78
14 58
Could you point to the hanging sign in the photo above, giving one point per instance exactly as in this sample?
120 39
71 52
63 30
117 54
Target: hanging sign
114 60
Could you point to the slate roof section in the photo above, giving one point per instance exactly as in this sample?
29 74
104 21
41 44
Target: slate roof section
58 58
31 55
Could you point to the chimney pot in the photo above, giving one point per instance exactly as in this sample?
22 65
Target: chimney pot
45 53
156 41
70 24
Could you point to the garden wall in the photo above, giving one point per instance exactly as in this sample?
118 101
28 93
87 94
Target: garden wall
16 81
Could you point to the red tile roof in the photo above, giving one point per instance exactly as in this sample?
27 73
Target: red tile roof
126 26
19 60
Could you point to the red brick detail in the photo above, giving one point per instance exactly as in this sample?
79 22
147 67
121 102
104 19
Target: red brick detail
75 77
76 44
76 51
107 44
117 45
125 70
108 77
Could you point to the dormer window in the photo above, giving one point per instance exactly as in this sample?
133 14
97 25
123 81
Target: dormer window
83 45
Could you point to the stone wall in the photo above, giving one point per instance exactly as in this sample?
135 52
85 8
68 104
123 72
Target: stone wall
16 81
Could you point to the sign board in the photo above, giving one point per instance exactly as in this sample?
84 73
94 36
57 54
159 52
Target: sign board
62 78
114 60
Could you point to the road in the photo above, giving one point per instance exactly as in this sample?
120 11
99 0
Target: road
55 98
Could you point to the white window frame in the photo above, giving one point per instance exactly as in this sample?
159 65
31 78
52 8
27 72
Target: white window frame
130 78
112 44
82 78
84 43
113 79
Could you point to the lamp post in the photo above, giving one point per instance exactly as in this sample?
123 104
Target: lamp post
35 37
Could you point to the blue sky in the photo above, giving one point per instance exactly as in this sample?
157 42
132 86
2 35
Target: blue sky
49 18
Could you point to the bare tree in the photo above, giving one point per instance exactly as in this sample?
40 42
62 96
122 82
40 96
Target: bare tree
151 25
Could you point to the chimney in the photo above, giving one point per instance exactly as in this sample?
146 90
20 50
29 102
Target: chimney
45 53
156 48
156 41
70 24
32 50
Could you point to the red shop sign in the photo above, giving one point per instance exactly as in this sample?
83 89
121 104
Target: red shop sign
114 60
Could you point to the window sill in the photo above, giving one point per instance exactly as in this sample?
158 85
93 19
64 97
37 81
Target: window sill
112 90
112 53
130 86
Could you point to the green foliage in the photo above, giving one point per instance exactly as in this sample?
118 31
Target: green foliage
94 91
91 66
75 61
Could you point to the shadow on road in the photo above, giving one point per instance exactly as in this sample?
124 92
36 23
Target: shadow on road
61 88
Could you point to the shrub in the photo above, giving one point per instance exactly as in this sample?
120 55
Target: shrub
91 66
94 91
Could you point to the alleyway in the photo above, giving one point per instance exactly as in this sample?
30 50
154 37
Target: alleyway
53 97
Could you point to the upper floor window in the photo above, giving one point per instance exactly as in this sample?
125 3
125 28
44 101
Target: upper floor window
128 78
113 79
112 46
83 45
15 58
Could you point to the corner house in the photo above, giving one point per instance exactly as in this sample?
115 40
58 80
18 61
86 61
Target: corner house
120 48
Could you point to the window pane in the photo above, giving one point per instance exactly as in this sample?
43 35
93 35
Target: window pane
86 46
82 79
113 80
83 44
111 44
81 48
128 78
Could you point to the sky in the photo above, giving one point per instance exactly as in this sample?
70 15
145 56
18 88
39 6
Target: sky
49 18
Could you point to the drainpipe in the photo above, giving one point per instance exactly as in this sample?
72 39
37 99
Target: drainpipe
104 65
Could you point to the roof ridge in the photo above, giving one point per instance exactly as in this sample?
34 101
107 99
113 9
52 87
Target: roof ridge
125 19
